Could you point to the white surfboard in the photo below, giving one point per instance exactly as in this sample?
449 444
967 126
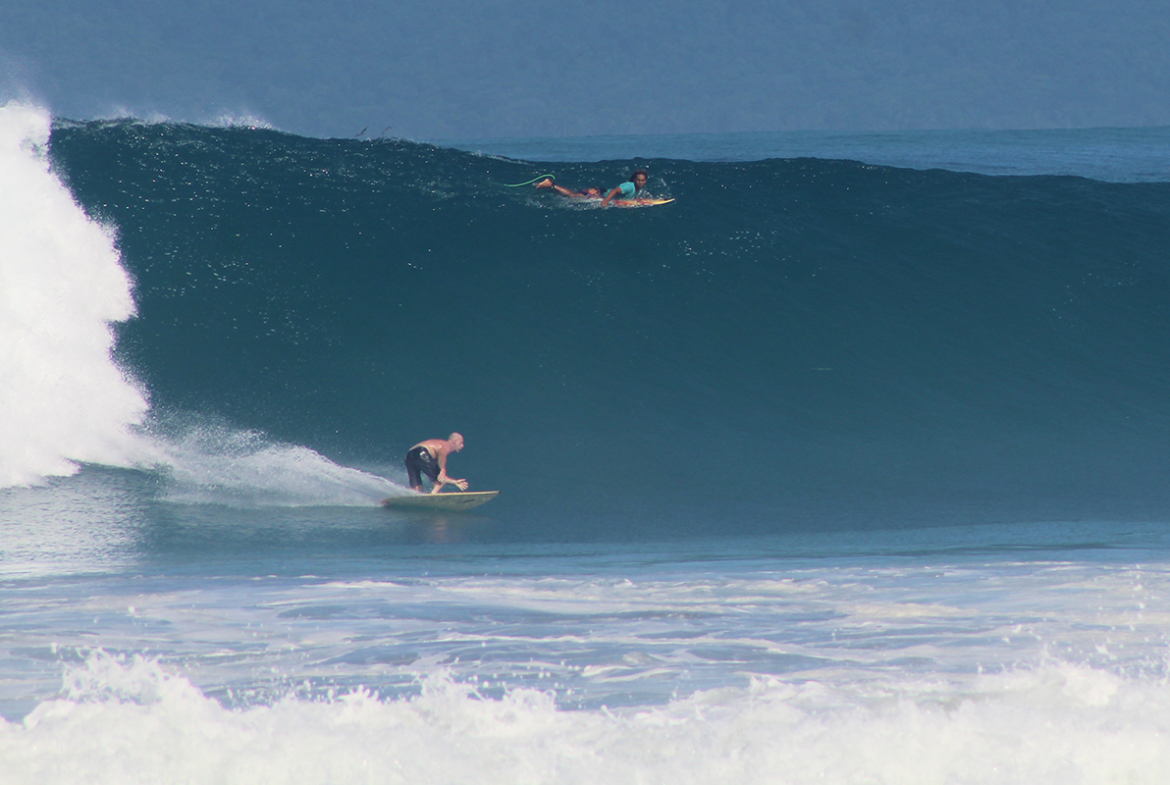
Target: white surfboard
463 500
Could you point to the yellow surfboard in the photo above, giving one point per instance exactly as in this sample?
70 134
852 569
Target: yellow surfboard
463 500
638 202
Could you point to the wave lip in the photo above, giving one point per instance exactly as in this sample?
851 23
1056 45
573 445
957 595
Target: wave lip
63 399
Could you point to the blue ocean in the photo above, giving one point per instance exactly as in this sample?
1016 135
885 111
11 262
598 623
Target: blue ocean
849 465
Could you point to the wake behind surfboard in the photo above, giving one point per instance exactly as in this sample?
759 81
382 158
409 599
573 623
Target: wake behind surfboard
464 500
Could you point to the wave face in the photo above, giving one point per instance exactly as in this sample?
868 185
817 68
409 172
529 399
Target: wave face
790 340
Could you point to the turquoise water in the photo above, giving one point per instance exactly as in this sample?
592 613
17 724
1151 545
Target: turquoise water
828 471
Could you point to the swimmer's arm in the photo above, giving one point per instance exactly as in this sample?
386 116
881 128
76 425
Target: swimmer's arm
610 195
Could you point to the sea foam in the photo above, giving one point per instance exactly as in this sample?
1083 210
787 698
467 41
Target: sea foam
63 399
130 720
207 461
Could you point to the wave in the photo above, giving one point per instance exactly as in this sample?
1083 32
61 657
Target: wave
788 341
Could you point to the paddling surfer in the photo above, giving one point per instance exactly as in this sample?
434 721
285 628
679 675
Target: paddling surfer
430 458
630 189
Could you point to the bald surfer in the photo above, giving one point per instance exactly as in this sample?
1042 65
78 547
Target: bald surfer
430 458
631 189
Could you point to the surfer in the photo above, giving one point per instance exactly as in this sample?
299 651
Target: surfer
630 189
430 458
585 193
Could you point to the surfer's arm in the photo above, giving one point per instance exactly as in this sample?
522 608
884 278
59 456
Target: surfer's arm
610 195
444 479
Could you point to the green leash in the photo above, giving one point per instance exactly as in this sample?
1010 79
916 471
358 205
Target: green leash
530 182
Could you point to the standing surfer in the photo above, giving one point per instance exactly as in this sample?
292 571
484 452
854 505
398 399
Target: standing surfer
631 189
430 458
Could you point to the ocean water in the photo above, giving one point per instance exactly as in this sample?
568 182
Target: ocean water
844 467
1128 155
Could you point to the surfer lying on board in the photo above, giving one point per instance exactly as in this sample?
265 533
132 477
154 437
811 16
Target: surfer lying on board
585 193
430 458
631 189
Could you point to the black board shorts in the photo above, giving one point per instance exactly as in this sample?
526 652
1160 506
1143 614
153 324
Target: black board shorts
419 461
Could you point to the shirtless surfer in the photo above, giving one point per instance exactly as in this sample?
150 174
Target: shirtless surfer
631 189
430 458
585 193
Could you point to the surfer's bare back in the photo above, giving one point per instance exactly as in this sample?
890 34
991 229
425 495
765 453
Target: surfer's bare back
430 458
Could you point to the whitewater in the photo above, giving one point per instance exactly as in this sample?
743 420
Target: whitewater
62 285
899 517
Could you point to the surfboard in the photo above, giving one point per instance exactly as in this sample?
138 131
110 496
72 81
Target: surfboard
463 500
638 202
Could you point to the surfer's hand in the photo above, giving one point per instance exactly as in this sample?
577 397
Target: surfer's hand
460 484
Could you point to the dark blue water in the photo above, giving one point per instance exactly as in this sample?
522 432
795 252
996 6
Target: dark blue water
789 342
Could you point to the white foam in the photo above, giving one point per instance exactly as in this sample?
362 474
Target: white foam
242 118
122 112
63 400
239 119
215 463
133 721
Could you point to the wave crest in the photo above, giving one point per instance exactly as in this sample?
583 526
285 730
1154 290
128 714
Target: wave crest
63 399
